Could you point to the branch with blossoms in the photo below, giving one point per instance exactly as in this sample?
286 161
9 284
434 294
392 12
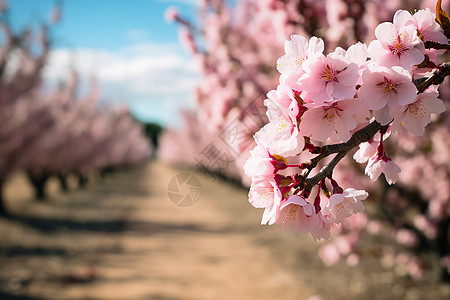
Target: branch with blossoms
329 104
365 134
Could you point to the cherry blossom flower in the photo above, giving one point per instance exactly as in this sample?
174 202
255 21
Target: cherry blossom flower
280 100
281 135
416 116
298 214
266 194
369 149
331 120
262 192
396 46
385 165
426 26
385 89
342 206
259 163
329 254
322 231
297 51
358 54
365 152
407 237
329 77
171 14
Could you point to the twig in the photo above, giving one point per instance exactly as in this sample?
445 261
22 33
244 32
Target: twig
363 135
437 77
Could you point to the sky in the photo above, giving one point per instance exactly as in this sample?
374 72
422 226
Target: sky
126 45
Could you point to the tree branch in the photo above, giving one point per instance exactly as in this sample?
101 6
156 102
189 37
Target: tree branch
363 135
437 77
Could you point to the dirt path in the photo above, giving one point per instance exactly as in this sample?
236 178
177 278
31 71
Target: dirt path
172 252
162 251
121 238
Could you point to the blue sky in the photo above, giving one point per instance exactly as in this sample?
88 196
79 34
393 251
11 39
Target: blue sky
126 45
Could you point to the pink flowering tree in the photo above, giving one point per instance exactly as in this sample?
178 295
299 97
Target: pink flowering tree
340 101
86 137
56 133
22 57
370 81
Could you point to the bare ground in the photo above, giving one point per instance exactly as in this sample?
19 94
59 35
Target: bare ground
121 238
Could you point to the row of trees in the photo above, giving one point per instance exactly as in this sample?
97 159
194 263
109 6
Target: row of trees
237 46
55 133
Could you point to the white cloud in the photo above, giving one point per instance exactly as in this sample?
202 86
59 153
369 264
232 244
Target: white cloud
140 72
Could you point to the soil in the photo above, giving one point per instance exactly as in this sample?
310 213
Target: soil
122 238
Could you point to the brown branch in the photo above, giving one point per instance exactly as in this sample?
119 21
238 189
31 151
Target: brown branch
437 77
436 45
363 135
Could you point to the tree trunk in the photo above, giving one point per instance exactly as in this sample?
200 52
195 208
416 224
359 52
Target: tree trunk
3 210
39 181
82 180
444 245
63 182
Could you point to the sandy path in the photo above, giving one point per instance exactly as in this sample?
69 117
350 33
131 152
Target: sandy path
170 252
121 238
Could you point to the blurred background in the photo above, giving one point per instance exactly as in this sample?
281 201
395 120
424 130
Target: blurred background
124 126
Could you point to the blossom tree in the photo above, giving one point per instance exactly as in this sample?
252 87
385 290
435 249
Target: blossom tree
340 101
56 133
370 81
85 137
22 57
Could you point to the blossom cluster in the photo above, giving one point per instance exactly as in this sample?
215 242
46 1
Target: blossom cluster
42 130
325 103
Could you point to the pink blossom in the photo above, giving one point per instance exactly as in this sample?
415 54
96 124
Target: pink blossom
384 89
424 21
331 120
259 164
322 231
297 51
365 152
280 100
396 46
187 40
358 54
171 14
329 254
407 237
329 77
426 26
415 268
427 226
342 206
375 227
369 149
298 214
416 116
281 136
262 192
352 260
266 194
385 165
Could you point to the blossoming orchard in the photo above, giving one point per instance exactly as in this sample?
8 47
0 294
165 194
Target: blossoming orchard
376 96
328 104
42 131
